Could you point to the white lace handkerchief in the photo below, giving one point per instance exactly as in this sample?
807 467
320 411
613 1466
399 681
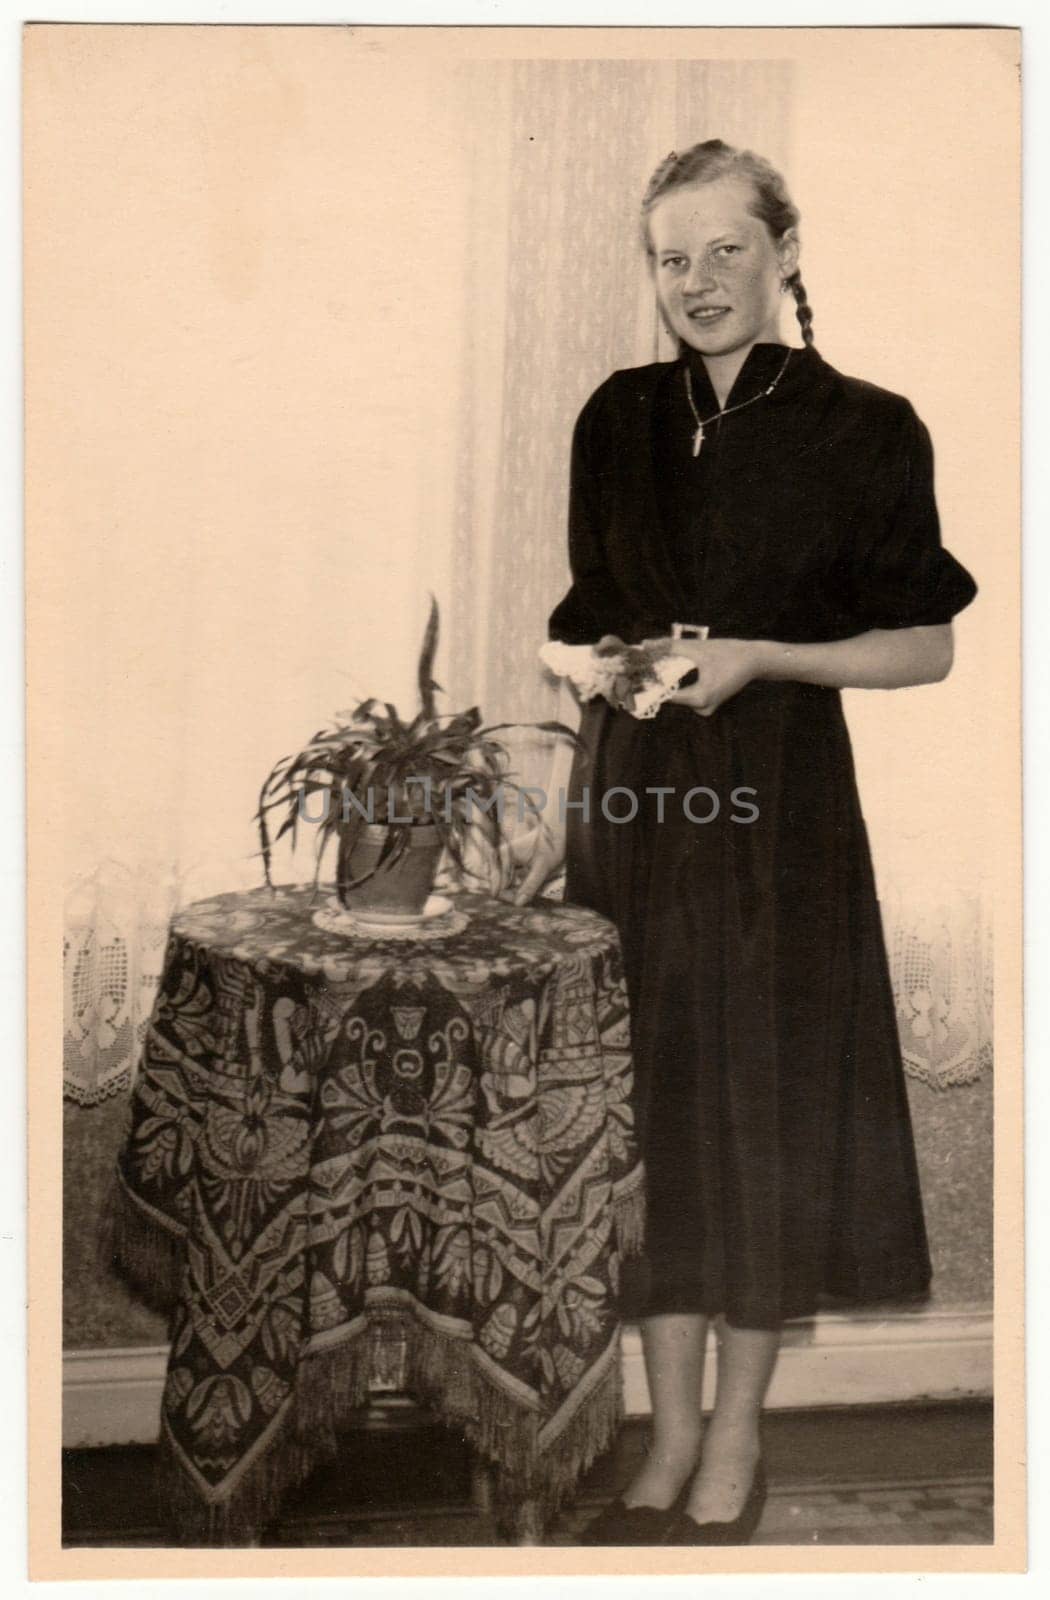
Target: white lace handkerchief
592 675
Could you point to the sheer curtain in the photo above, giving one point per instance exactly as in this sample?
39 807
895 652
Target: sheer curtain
560 299
343 370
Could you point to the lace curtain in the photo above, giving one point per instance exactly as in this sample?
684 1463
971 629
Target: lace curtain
941 967
544 162
116 928
940 964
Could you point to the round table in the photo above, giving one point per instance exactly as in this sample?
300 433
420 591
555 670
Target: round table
356 1159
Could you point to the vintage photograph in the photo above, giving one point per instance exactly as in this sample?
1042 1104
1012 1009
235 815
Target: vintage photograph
524 543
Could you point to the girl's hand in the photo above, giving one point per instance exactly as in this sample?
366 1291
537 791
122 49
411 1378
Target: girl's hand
725 666
528 861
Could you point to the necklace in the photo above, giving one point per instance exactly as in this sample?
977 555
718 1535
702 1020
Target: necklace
698 436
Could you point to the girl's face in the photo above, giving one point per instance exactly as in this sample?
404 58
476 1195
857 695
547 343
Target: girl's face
717 268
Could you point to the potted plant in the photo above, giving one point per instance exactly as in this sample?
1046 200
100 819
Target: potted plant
395 794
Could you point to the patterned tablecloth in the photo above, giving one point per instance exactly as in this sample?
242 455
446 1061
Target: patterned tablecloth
355 1157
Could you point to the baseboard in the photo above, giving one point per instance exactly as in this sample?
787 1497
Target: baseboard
857 1360
112 1397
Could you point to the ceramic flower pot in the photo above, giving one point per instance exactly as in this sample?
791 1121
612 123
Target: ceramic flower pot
398 888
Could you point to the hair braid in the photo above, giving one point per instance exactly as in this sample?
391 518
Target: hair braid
803 309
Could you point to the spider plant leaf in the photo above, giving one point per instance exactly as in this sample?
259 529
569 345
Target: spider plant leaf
264 850
463 723
394 846
455 849
358 799
425 671
350 832
396 725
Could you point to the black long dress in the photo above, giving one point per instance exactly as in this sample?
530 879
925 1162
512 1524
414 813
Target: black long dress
769 1090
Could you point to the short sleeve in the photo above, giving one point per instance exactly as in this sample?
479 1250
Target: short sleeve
593 605
901 576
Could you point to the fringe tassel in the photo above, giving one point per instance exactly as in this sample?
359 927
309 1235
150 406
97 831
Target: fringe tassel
629 1218
240 1518
440 1372
133 1245
522 1498
592 1431
330 1386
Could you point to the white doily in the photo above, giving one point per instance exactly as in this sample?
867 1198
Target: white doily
335 918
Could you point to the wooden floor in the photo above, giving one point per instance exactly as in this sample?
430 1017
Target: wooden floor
875 1475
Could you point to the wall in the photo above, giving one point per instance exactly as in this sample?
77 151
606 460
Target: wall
909 249
235 270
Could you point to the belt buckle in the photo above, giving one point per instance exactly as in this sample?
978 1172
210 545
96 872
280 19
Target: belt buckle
689 630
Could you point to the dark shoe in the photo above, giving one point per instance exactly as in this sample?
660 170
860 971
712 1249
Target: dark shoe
685 1529
618 1523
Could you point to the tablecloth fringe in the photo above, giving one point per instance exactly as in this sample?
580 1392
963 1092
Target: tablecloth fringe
140 1248
629 1214
592 1430
239 1518
439 1371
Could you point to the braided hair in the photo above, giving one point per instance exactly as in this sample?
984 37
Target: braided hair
803 309
712 159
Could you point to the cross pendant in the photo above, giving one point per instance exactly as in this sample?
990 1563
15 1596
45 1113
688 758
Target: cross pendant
698 439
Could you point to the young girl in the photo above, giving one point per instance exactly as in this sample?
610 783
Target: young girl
749 489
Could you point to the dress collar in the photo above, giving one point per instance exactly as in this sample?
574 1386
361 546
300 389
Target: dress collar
760 367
